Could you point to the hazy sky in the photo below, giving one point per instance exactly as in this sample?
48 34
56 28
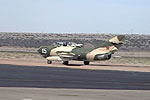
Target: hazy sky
117 16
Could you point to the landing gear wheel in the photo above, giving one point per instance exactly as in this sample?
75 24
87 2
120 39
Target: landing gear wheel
86 62
49 62
65 62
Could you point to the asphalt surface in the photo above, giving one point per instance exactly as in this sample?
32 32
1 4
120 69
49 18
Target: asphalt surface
52 77
71 94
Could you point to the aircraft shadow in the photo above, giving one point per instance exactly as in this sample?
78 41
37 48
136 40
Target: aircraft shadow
75 65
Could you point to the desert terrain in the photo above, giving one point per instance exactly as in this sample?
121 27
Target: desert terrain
21 49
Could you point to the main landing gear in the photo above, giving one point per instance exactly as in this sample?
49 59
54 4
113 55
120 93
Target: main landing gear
65 62
86 62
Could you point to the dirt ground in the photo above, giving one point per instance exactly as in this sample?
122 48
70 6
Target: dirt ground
76 65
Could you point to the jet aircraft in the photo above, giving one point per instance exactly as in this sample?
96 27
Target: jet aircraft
67 51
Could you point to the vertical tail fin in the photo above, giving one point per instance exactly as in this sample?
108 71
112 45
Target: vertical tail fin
117 39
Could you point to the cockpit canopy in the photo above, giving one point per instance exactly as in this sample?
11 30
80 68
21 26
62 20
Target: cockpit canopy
57 44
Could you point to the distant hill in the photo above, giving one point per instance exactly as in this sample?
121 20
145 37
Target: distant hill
133 42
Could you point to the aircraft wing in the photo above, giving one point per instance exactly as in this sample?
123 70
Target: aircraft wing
65 56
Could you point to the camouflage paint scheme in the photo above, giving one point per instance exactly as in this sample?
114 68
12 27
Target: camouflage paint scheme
66 53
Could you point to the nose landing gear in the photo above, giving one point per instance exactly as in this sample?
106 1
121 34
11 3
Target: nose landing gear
86 62
49 62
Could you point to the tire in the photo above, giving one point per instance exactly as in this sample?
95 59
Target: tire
65 62
86 62
49 62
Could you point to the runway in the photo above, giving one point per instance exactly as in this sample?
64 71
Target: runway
67 78
71 94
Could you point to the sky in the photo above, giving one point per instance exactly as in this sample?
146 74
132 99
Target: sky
87 16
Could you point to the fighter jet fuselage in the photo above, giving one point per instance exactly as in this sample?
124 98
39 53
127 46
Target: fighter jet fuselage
66 52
